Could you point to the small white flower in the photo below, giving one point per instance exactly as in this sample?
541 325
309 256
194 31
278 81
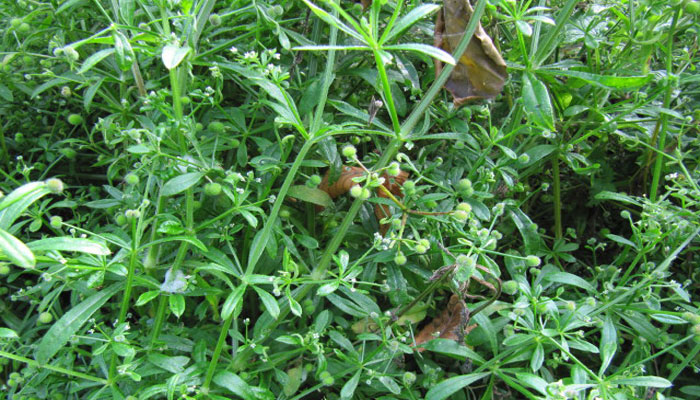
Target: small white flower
233 49
240 190
252 345
250 55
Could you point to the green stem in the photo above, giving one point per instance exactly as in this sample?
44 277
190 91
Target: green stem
658 165
160 318
557 196
133 259
217 353
259 246
54 368
387 93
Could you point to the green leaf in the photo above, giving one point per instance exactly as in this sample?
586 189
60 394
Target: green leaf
173 55
537 358
89 93
445 388
174 364
232 302
390 384
6 333
126 10
269 302
646 381
532 381
177 304
234 384
124 52
621 240
453 349
61 331
181 238
67 243
527 229
569 279
311 195
16 251
617 196
428 50
180 183
327 289
408 20
294 305
608 343
602 81
536 102
146 297
349 388
15 203
94 59
333 21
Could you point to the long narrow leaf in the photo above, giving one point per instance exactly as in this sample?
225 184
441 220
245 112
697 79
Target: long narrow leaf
59 334
16 251
409 19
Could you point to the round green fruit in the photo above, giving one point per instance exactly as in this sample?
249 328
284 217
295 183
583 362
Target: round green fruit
24 28
215 19
75 119
131 179
212 189
55 185
45 317
217 127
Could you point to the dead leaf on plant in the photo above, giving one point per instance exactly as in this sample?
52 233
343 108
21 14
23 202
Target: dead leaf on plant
450 324
345 183
481 71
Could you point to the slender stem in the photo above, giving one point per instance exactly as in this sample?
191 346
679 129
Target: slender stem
133 259
217 352
658 166
259 246
387 93
160 317
54 368
557 196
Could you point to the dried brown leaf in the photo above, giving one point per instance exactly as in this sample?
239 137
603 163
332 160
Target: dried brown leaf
450 324
481 71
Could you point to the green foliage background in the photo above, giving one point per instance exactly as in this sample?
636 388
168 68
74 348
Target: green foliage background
160 235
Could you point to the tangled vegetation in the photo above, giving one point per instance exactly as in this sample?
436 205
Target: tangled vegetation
279 199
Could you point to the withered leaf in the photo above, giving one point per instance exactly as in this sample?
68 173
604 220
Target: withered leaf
345 183
481 71
450 324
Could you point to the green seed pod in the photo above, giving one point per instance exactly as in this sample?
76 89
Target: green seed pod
24 28
400 259
349 151
217 127
45 318
212 189
75 119
215 19
131 179
56 221
55 185
533 261
4 269
510 287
